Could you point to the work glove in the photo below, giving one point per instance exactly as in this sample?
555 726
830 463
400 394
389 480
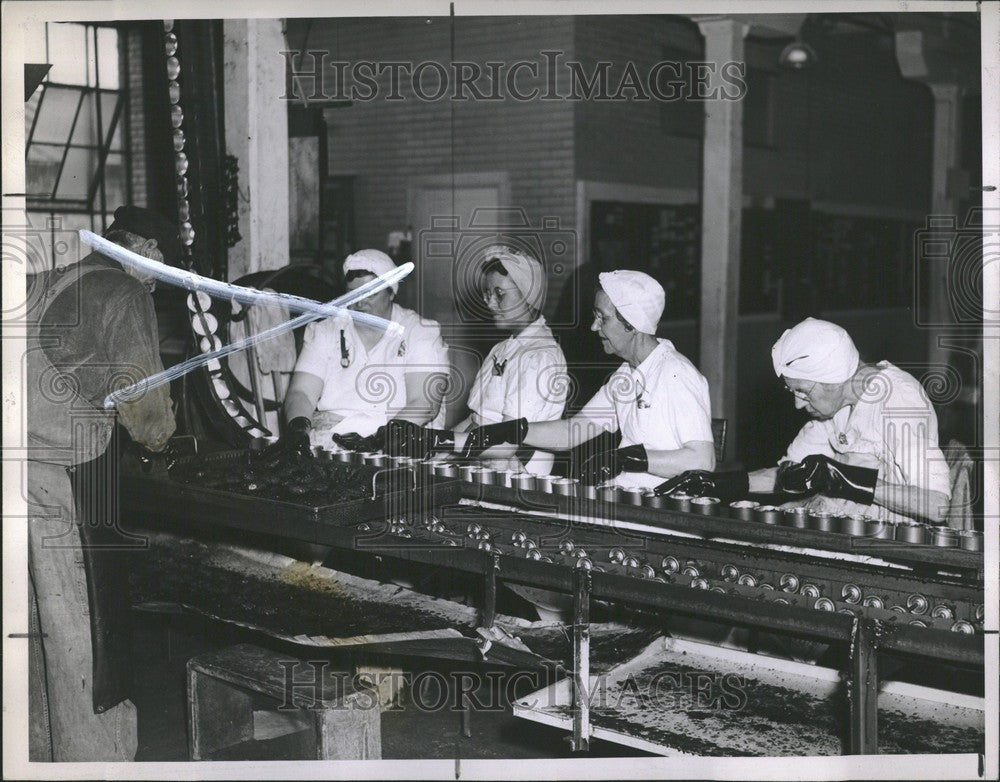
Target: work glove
401 438
818 474
726 486
160 462
292 446
602 467
482 438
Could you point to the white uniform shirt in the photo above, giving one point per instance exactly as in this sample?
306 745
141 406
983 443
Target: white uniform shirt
522 377
372 387
662 404
892 428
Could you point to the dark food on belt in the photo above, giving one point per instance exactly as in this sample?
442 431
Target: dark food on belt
306 481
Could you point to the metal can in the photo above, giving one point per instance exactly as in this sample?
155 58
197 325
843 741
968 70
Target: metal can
586 491
321 453
879 529
699 583
446 469
768 587
631 562
768 514
707 506
796 517
824 604
916 604
670 564
530 544
564 486
743 509
504 478
631 495
851 593
523 481
543 483
484 476
691 570
730 572
374 459
584 563
918 623
718 590
942 612
961 626
647 571
617 555
344 457
518 538
789 582
608 493
873 601
466 471
853 525
533 553
679 502
944 537
821 521
566 547
897 609
473 529
747 579
911 533
653 500
970 540
980 613
810 590
485 545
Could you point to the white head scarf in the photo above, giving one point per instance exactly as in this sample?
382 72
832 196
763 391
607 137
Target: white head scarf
372 261
638 297
816 350
525 272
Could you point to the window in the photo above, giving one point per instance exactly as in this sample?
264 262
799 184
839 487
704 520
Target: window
76 167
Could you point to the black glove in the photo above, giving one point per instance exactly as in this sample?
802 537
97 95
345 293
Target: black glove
483 437
401 438
293 444
818 474
602 467
726 486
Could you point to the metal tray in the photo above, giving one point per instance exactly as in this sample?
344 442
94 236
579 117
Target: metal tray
393 492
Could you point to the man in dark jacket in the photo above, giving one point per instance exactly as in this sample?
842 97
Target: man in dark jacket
93 330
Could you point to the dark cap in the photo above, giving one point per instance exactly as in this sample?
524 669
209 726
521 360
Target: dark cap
150 225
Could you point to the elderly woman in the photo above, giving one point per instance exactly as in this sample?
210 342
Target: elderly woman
350 377
524 376
871 447
656 398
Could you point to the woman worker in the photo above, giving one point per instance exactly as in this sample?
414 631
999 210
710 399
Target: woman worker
871 447
524 376
656 398
352 377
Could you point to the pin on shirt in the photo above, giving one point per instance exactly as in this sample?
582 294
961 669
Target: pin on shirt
641 403
499 367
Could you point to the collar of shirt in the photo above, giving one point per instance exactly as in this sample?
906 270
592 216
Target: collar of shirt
655 357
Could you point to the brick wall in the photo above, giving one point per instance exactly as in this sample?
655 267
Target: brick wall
388 145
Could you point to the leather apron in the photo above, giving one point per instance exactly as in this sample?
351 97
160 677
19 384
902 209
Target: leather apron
67 430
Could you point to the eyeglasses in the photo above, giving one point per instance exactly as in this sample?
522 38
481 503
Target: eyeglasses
496 293
801 394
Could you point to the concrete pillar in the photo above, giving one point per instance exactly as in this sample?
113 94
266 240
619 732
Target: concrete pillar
721 218
257 134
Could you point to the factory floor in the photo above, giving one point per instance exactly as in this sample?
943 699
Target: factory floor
164 644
